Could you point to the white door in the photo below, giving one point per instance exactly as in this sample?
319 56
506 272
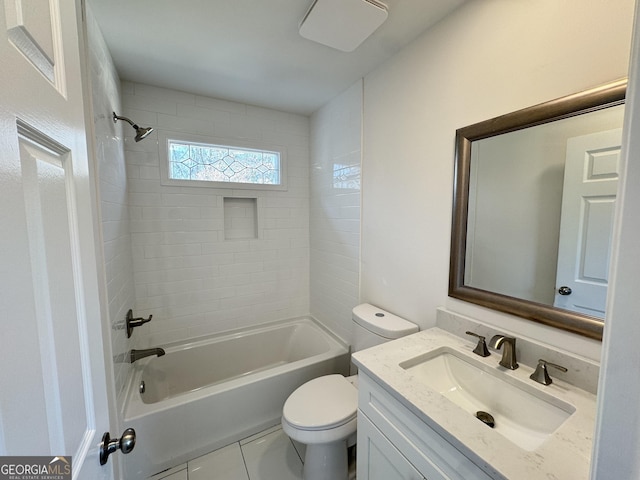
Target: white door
53 388
588 206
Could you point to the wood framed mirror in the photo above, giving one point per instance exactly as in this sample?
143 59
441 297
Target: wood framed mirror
525 239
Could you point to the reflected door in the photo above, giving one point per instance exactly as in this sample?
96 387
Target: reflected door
588 207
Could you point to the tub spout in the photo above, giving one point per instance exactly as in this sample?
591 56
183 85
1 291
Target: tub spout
138 354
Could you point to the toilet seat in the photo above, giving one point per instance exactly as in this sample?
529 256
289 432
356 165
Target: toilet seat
322 403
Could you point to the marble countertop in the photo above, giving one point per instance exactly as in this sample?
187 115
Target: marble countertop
565 455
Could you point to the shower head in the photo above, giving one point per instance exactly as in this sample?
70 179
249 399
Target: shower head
141 132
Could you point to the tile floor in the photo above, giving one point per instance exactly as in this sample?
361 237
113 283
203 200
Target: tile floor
269 455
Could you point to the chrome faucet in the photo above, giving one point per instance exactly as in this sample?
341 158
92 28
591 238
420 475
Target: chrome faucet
138 354
508 345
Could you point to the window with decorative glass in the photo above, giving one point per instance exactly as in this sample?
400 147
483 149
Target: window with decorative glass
225 165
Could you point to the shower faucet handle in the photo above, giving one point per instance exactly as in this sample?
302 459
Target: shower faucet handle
481 348
135 322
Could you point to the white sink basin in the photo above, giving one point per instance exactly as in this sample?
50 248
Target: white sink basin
523 414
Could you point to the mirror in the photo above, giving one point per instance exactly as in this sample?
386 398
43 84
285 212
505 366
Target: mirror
534 198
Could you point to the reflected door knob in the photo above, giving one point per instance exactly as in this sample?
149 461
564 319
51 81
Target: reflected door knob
124 443
564 291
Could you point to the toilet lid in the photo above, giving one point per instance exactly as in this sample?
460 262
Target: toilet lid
322 403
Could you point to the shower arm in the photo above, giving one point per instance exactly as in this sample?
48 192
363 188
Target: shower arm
118 117
141 132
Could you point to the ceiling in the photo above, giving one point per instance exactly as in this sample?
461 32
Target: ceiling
249 50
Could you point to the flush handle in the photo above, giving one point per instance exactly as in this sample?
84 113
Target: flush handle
564 290
124 443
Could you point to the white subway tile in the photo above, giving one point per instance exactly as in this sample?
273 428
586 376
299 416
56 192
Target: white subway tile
231 246
126 87
169 213
148 172
152 251
149 104
164 94
149 238
150 226
239 268
144 186
133 171
211 212
282 138
222 105
202 113
233 280
186 200
174 238
209 260
144 199
146 158
150 144
255 257
241 301
209 224
183 124
140 117
236 128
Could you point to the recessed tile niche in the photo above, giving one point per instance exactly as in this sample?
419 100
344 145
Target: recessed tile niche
240 218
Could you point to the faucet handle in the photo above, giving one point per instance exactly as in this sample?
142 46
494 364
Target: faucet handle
481 348
541 375
134 322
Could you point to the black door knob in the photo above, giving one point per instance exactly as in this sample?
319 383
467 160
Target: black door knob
564 291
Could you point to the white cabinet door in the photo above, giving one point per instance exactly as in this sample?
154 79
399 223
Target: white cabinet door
53 394
378 459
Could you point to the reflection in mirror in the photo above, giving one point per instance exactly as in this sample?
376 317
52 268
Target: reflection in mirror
534 204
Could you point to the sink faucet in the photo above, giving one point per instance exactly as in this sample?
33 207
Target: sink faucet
138 354
508 350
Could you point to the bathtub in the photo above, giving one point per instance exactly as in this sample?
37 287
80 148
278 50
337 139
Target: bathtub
215 390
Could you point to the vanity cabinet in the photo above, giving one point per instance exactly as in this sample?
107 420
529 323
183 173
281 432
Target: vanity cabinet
378 459
395 444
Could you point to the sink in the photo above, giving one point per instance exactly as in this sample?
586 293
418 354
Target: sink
523 414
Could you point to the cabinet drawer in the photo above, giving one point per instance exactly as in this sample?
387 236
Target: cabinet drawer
429 452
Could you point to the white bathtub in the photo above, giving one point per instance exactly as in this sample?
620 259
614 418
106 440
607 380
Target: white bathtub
208 393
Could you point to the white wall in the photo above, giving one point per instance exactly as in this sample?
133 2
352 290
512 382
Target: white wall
109 153
488 58
190 278
336 136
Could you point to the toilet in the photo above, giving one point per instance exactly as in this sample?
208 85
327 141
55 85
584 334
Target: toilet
322 413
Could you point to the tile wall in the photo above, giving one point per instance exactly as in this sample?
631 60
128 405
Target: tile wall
335 209
113 198
192 279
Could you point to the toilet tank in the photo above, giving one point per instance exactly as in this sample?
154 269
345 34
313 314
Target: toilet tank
373 326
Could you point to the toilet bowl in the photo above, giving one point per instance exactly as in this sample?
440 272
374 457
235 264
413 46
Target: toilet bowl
322 413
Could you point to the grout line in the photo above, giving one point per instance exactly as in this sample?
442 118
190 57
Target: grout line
256 436
244 461
296 450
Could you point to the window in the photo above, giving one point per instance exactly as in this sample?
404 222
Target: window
197 163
